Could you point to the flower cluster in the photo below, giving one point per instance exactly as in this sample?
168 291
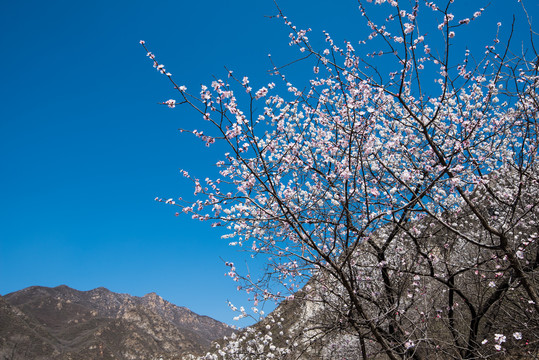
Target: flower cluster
383 190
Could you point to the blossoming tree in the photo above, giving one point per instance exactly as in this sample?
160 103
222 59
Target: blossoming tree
401 182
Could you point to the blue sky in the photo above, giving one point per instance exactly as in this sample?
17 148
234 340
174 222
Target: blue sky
85 147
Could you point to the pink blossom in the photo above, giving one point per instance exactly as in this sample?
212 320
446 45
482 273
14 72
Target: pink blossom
499 338
171 103
261 93
408 28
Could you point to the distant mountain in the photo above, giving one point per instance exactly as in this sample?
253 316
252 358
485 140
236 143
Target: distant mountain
62 323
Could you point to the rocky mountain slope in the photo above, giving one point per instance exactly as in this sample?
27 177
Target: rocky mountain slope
450 294
62 323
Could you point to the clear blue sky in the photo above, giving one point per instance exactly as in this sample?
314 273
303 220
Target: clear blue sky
85 147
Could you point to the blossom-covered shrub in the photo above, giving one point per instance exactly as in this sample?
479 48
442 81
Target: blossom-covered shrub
400 184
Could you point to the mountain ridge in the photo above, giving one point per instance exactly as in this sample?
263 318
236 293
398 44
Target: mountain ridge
62 323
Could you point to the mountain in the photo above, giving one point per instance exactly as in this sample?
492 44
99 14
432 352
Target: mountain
62 323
